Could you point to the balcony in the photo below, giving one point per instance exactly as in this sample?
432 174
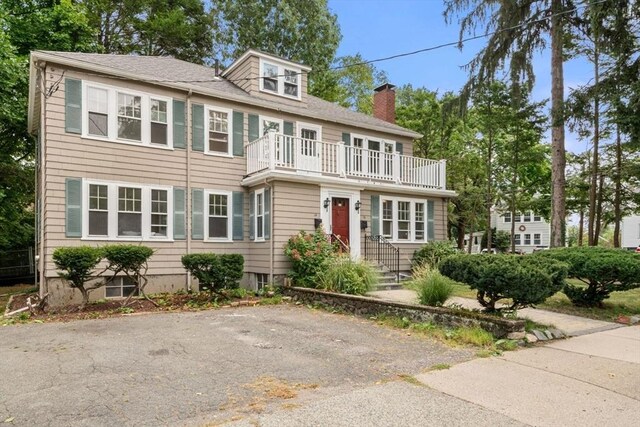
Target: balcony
282 153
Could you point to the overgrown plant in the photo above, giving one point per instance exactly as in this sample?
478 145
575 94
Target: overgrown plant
344 275
132 261
601 270
432 253
433 288
309 255
77 265
524 280
215 272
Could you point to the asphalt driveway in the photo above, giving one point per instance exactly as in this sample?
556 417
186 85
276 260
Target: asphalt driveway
202 368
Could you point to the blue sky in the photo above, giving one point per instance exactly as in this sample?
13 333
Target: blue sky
380 28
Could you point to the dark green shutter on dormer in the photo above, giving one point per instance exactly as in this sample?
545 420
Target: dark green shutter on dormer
197 214
238 215
73 207
179 128
254 127
375 215
238 133
179 213
73 105
197 127
399 148
267 214
431 229
287 129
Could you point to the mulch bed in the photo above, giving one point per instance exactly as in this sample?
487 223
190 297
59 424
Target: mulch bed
113 308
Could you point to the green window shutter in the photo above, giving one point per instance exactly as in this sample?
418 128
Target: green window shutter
267 214
197 214
254 127
431 230
73 106
252 216
73 207
375 215
238 133
179 128
238 215
399 148
179 213
197 127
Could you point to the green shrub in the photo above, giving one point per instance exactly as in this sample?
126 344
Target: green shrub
433 288
500 239
309 255
432 253
347 276
525 280
602 270
77 265
215 272
132 261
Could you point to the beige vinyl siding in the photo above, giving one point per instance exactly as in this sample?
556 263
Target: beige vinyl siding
245 75
295 206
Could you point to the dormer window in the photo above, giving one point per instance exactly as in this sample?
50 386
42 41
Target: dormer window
280 79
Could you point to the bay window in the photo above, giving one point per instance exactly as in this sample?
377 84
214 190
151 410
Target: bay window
404 220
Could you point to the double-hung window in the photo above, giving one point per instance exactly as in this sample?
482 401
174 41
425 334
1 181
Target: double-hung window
387 219
419 221
280 79
507 217
98 210
404 220
219 131
121 211
537 218
516 218
129 211
536 239
219 216
527 239
159 212
129 117
126 116
260 215
97 112
516 239
526 217
159 125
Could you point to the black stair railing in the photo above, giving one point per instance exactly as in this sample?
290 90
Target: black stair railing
380 250
343 247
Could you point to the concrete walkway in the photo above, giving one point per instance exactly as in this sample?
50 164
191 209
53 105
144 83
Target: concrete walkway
570 325
591 380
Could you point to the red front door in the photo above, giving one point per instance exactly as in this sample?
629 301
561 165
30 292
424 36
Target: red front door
340 218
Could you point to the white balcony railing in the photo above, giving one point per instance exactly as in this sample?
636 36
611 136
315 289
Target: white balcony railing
276 151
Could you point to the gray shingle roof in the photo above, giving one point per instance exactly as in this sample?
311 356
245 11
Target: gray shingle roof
173 72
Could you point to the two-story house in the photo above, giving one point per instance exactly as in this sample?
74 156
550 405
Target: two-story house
168 154
531 230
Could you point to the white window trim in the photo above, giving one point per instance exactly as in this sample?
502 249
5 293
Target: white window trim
120 280
310 126
281 67
112 203
112 111
229 237
412 222
262 119
229 112
255 216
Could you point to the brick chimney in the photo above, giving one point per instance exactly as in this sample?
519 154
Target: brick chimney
384 103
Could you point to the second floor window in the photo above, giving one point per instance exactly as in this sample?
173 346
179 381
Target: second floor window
280 79
129 117
97 112
159 122
218 131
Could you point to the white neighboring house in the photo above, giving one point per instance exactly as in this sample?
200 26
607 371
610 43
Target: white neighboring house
630 228
531 231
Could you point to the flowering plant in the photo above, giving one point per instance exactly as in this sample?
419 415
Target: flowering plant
309 254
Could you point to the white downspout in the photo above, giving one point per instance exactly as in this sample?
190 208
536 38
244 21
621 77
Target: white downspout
188 191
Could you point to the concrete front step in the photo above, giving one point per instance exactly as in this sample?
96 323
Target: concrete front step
387 287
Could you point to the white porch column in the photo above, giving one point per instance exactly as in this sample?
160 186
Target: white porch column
396 168
342 159
272 149
443 174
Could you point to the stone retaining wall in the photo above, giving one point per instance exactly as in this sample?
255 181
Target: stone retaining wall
366 306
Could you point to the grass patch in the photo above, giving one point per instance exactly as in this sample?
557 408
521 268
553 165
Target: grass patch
625 303
530 325
439 367
274 300
410 379
465 336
